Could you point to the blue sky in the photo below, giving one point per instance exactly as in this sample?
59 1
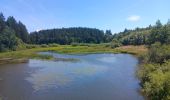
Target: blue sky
103 14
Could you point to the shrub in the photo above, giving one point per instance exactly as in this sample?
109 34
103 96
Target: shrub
155 80
158 53
30 46
44 45
53 45
155 72
74 44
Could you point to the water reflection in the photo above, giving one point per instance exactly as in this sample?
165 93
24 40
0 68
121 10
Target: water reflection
92 77
56 74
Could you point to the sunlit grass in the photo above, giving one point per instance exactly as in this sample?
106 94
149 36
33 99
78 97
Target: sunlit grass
98 48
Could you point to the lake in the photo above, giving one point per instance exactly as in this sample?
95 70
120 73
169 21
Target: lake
87 77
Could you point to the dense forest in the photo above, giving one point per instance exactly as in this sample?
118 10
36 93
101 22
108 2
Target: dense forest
139 36
70 35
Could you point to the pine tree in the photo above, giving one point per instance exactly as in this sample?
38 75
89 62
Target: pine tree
158 24
2 22
22 31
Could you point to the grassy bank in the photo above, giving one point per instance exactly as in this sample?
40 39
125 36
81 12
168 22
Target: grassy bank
23 55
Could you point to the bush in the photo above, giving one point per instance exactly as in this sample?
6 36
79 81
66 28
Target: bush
158 53
85 44
44 45
2 48
8 40
74 44
53 45
155 80
106 44
155 73
30 46
115 43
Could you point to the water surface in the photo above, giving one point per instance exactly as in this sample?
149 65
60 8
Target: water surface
90 77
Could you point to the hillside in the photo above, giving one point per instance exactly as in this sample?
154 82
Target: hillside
148 35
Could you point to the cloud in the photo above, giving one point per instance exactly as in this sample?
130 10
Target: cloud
37 30
134 18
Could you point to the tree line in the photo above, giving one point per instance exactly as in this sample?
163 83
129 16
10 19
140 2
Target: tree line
70 35
13 33
145 36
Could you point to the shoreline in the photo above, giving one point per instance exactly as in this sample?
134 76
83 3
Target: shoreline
22 56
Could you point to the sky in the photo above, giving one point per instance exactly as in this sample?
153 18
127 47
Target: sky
115 15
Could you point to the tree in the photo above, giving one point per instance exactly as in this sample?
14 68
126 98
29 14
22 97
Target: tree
108 36
68 36
108 32
12 33
126 30
158 24
159 34
8 40
150 26
168 23
12 23
23 33
2 22
19 29
164 35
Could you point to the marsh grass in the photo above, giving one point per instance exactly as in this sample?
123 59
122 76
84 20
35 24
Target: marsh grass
69 49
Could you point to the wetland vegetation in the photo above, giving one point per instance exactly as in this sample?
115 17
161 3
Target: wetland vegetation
151 45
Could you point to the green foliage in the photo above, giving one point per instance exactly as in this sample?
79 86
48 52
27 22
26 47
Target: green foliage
13 34
2 22
44 45
161 34
81 44
155 72
31 46
8 41
158 24
155 80
115 43
74 44
142 36
23 33
135 39
139 36
67 36
158 53
53 45
19 29
108 36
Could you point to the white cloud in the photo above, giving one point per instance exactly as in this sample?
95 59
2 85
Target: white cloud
38 30
134 18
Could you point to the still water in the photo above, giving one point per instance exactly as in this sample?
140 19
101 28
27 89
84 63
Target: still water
89 77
